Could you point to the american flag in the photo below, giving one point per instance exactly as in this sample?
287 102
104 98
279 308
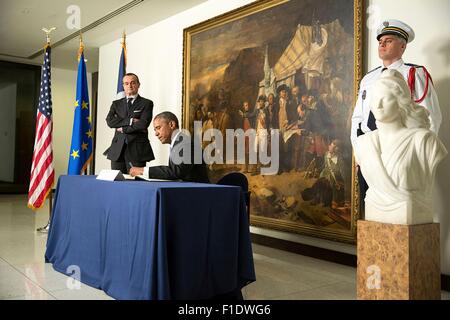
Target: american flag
42 171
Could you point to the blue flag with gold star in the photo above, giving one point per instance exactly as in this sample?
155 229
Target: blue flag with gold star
81 147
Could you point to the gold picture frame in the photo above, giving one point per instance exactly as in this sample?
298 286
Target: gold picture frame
251 52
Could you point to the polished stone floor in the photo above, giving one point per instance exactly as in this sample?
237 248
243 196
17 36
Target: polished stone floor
280 274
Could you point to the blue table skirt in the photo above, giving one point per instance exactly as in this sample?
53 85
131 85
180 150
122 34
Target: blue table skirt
151 240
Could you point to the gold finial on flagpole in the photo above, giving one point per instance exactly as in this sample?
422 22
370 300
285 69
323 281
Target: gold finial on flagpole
81 49
81 40
47 33
124 37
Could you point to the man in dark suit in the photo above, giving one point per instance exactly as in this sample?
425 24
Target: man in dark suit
130 117
181 159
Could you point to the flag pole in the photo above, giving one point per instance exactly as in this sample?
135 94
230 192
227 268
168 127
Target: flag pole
122 67
81 48
82 136
50 192
124 45
80 52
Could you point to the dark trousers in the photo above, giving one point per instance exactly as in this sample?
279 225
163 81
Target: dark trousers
124 163
362 192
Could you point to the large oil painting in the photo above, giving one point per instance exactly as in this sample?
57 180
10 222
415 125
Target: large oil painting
287 71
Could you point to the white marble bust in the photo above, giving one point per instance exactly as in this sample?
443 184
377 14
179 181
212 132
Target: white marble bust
399 159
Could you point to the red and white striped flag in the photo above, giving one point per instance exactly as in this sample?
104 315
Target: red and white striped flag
42 171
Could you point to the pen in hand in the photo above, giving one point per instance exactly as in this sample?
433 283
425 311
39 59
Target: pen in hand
135 171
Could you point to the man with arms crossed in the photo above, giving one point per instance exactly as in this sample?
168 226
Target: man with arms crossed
130 117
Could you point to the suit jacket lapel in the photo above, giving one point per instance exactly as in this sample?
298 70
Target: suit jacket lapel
136 103
124 105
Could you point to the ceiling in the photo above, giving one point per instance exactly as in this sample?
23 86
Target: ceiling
102 21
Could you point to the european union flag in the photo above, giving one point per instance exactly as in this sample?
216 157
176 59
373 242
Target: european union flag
81 147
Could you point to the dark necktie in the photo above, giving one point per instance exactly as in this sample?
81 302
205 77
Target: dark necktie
371 121
129 103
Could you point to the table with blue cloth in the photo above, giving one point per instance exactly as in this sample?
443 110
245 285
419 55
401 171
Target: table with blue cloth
151 240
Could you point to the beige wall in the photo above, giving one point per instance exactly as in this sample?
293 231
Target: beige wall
155 54
63 97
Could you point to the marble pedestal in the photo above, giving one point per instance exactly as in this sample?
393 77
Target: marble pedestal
398 262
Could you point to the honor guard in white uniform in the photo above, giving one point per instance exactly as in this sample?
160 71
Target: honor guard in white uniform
392 36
